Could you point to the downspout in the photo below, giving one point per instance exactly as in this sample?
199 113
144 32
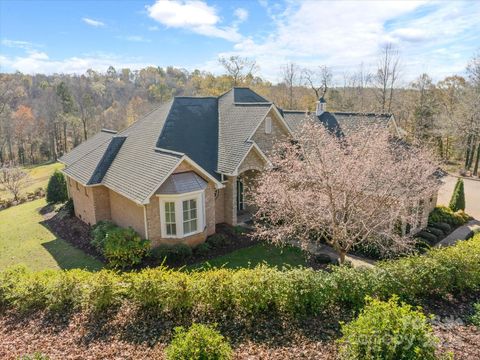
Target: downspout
145 220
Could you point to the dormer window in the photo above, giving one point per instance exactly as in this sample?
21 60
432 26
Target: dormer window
268 125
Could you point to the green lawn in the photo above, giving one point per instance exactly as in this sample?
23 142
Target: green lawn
255 255
38 176
24 240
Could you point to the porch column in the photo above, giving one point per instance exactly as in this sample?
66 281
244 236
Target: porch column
231 200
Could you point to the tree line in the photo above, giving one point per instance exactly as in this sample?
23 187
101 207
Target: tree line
44 116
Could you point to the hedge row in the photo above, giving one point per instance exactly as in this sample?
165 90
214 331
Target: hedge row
245 292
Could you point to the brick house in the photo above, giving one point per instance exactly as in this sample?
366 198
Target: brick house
183 168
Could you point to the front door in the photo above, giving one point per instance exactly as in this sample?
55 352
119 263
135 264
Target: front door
240 196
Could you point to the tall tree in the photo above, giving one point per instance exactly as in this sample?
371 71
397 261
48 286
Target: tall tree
291 78
387 76
239 68
318 80
68 107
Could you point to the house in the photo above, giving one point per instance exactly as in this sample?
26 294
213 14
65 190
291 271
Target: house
183 168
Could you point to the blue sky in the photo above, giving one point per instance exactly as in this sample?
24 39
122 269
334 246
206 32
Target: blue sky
437 37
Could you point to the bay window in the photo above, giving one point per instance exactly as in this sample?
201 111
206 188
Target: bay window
183 214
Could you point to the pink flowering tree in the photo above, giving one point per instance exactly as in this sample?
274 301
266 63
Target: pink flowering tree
362 188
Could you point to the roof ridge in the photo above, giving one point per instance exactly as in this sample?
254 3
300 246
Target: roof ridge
360 113
92 150
108 131
253 103
195 97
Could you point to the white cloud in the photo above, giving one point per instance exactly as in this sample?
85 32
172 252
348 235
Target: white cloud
153 28
136 38
241 14
342 34
26 45
92 22
193 15
35 62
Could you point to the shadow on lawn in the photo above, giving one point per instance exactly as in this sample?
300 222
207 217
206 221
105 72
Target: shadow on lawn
68 258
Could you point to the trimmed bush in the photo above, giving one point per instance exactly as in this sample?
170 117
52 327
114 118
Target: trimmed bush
437 232
99 233
388 330
124 247
218 240
203 249
180 252
200 342
442 226
443 214
176 253
475 318
457 201
57 188
429 237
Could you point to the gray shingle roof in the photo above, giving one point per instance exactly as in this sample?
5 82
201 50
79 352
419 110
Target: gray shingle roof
349 121
343 122
138 169
87 146
246 95
108 156
192 128
236 124
182 183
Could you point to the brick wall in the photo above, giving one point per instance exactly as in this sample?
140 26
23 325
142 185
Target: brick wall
220 206
125 212
82 201
230 200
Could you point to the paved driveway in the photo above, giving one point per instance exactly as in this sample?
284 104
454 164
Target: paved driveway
472 194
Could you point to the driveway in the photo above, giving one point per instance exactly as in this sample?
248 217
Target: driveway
472 194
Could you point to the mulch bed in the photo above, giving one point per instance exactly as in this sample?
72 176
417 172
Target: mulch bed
71 229
128 335
121 337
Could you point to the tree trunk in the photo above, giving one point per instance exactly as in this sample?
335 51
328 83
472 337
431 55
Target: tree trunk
64 137
84 128
475 169
467 156
342 255
472 152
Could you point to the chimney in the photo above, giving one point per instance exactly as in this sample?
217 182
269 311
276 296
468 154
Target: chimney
321 106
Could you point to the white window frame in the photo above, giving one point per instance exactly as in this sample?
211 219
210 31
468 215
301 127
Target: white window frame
268 125
178 199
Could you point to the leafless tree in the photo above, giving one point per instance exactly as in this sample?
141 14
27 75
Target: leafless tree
318 80
12 179
347 191
387 76
363 79
239 67
291 78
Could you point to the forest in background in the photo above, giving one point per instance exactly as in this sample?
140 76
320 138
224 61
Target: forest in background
44 116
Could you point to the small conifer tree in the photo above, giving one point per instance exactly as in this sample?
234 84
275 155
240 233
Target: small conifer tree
458 197
57 188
